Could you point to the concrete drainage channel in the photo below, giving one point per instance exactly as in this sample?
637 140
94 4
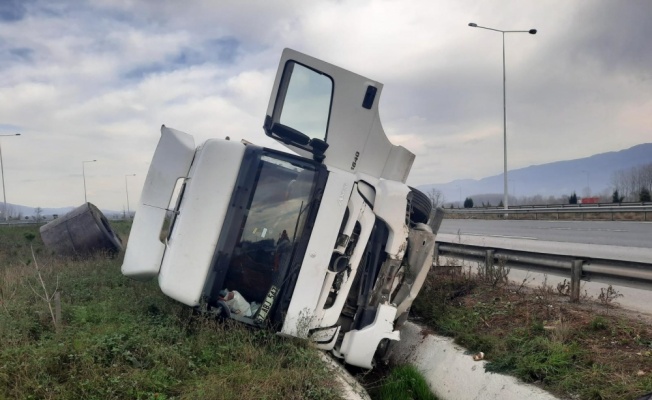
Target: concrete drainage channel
452 374
351 388
450 371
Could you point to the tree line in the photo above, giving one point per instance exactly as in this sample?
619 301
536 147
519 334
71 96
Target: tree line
632 184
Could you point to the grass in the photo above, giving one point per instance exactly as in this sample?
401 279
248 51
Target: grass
120 338
404 382
124 339
585 351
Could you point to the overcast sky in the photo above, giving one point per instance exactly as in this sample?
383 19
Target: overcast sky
95 80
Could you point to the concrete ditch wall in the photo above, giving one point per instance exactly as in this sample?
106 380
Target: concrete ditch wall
350 388
451 372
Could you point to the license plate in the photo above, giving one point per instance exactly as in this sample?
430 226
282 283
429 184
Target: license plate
261 315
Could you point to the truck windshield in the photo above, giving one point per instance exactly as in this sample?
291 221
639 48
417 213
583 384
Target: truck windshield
269 231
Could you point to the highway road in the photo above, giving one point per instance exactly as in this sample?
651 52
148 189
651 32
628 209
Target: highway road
612 233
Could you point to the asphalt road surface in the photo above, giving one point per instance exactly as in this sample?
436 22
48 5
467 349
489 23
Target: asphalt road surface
611 233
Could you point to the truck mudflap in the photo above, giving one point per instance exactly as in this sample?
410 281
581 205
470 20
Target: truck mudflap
359 346
172 159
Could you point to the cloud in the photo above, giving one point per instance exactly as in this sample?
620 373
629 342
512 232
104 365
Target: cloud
12 10
95 80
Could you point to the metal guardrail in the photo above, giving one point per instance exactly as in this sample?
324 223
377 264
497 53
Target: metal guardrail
579 205
645 209
21 223
634 272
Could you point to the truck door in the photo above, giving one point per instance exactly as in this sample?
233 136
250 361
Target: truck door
330 114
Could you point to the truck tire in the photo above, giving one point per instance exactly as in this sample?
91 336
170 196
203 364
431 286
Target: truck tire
421 207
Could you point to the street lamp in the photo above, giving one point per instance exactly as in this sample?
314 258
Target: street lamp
84 175
531 32
127 190
2 172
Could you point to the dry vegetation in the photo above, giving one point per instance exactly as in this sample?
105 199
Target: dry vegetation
121 339
586 351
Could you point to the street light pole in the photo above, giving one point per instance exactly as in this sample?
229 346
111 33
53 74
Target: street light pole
84 175
2 172
531 32
513 183
127 191
588 184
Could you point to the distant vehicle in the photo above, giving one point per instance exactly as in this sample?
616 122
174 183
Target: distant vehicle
589 200
330 244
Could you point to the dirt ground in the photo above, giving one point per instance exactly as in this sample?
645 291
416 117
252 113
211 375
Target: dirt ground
629 346
588 350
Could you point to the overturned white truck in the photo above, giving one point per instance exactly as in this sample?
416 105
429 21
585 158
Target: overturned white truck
330 244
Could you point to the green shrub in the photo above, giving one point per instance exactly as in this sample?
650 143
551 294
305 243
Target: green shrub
535 358
598 324
404 383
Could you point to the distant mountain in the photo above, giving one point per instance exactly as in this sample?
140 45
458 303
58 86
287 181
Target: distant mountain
583 176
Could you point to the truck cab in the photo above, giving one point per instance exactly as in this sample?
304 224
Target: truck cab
326 243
